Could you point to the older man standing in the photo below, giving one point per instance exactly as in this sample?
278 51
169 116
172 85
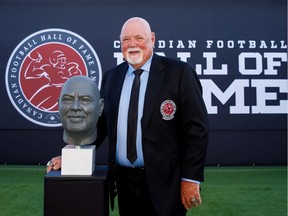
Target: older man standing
162 177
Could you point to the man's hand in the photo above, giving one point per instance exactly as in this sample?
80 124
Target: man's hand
54 164
190 194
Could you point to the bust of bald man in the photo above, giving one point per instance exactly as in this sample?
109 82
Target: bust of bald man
80 107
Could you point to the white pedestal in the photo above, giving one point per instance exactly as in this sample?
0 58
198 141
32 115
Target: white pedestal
78 161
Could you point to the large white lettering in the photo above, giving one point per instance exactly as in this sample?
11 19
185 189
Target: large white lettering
258 63
264 96
259 92
272 63
210 70
236 88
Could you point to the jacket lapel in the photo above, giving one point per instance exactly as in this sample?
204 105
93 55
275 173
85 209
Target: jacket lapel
155 80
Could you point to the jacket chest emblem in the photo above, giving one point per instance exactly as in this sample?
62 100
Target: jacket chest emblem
168 109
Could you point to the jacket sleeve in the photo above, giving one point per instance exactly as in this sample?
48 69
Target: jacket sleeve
195 125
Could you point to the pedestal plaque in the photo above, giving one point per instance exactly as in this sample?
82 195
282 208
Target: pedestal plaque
78 160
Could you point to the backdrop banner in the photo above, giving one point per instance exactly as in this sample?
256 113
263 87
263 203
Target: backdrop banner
238 49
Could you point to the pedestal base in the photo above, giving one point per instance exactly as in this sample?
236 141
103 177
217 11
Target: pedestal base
77 195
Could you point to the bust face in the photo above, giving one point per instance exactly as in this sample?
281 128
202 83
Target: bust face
79 109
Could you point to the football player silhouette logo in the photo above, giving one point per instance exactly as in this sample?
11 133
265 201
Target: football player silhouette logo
55 69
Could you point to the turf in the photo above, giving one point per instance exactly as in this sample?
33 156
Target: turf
21 190
227 191
244 191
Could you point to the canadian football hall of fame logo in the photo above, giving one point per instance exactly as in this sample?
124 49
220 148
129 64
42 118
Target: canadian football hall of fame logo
39 66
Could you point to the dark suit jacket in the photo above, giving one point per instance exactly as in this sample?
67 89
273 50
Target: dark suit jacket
172 148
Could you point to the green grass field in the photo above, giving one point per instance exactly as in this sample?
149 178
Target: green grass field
227 191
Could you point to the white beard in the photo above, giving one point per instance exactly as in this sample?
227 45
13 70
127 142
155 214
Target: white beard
134 59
